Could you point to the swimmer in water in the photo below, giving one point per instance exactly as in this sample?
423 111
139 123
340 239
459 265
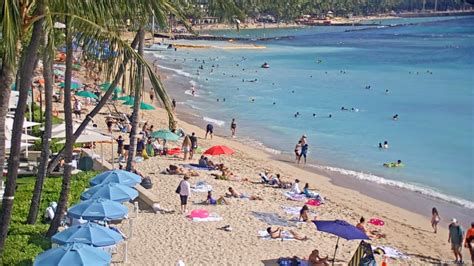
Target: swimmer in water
314 115
223 99
386 92
330 116
395 117
274 103
380 145
385 144
292 91
343 108
193 90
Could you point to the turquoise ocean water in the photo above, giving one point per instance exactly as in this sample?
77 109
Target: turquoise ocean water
426 66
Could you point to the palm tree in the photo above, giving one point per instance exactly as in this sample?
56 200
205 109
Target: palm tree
48 95
138 86
25 74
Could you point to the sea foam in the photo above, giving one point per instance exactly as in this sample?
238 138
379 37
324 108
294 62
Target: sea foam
388 182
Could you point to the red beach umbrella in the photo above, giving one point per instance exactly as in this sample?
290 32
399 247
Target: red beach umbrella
219 150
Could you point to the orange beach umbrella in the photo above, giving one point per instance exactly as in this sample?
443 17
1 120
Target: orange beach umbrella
219 150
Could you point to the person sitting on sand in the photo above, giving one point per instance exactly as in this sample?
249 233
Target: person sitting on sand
370 234
211 201
235 194
304 213
276 233
315 260
311 194
203 161
274 180
295 188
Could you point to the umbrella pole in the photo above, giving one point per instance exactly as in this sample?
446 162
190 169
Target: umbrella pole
335 250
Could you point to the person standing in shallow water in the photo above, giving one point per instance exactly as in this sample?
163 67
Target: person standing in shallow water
304 152
233 127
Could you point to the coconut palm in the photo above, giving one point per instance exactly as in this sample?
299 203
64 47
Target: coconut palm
99 21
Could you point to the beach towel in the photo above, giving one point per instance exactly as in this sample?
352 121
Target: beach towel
286 236
391 252
272 219
201 188
213 217
194 166
292 196
363 255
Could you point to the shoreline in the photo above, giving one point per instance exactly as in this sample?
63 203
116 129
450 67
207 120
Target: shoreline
396 196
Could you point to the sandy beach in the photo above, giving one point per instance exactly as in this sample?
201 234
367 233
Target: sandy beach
163 239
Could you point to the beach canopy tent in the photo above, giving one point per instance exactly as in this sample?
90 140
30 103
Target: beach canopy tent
105 86
86 94
91 132
26 124
165 134
145 106
116 176
88 233
342 229
74 85
93 137
126 98
75 126
110 191
219 150
73 254
98 210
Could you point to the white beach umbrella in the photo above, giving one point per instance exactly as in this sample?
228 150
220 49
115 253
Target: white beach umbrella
87 131
92 137
26 124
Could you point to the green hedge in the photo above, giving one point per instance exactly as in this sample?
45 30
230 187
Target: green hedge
25 241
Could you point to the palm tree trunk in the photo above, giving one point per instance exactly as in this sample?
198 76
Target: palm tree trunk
66 184
138 84
7 76
27 63
52 164
48 95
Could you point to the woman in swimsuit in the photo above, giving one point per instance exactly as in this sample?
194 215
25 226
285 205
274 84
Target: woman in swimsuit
435 219
212 201
233 127
304 214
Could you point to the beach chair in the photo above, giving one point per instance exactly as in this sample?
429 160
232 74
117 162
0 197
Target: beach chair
363 255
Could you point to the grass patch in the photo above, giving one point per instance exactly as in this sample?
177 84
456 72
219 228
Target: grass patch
24 241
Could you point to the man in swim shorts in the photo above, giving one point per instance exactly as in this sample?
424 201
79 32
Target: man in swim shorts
209 130
456 236
304 152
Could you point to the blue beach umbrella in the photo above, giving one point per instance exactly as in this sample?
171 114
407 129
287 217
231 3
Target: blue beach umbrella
116 176
73 254
98 210
89 234
342 229
111 191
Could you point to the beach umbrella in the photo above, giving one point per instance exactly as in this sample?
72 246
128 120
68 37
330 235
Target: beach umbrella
111 191
74 85
219 150
93 137
145 106
126 98
342 229
164 134
58 72
98 210
86 94
73 254
130 101
88 233
116 176
105 86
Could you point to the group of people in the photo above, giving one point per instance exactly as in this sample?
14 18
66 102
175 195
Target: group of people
301 149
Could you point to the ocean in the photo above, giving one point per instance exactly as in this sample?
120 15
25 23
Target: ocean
421 70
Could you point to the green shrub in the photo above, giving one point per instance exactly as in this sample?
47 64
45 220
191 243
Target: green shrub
24 241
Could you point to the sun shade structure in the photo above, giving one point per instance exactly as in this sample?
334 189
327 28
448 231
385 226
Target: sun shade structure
126 98
165 134
86 94
89 233
219 150
73 254
145 106
342 229
98 210
116 176
111 191
105 86
74 85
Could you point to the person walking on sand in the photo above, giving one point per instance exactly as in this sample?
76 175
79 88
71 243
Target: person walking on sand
233 127
186 147
173 102
194 145
184 191
152 95
209 130
468 243
456 236
435 219
77 108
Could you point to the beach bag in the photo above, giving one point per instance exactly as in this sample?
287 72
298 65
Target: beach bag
178 189
146 183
